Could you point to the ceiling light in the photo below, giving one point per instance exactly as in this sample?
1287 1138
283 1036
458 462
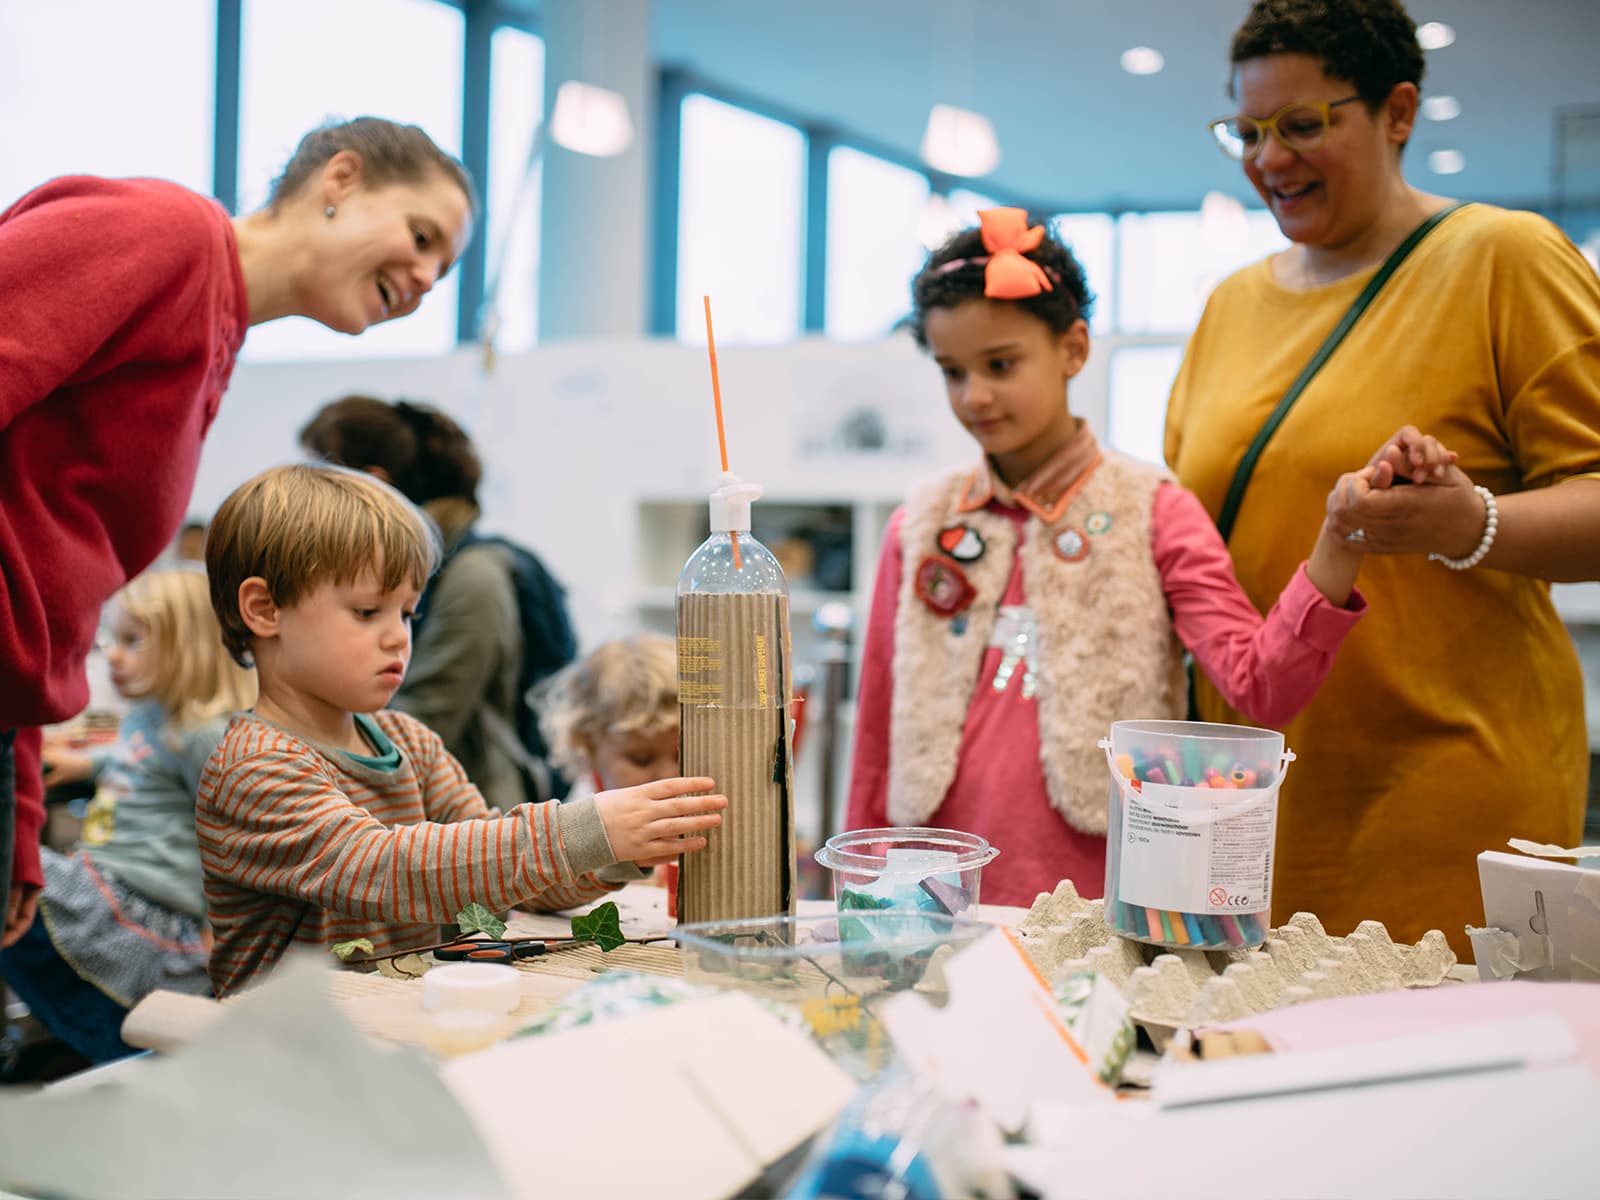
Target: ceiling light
591 120
960 142
1141 60
1441 108
1447 162
1435 35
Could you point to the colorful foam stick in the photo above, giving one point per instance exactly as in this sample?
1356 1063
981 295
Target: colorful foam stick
1125 766
1180 933
1125 917
1230 926
1243 777
1191 925
1191 763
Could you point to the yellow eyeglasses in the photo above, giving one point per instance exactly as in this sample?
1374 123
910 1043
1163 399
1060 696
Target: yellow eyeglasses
1300 127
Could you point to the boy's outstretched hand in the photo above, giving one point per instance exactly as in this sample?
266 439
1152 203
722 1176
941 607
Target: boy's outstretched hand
653 823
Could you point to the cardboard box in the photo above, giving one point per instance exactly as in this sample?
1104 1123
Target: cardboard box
1542 919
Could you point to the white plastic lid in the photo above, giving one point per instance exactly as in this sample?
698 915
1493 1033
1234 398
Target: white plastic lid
730 504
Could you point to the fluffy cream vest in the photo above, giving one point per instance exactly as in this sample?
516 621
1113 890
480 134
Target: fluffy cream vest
1105 649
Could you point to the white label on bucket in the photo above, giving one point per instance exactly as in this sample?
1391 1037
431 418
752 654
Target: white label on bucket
1201 867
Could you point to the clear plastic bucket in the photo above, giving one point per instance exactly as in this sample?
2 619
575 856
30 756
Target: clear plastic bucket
1190 831
911 869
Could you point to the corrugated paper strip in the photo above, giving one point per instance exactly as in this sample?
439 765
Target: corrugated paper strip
733 692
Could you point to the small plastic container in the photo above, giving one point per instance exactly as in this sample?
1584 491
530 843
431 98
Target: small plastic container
1190 832
831 969
910 869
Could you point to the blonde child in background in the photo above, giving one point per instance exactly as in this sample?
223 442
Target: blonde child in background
325 817
611 721
125 914
1023 605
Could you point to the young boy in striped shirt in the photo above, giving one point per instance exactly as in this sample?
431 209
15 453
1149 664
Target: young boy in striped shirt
323 816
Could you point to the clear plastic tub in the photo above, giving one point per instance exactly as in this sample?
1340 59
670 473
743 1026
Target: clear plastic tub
910 869
831 969
1190 831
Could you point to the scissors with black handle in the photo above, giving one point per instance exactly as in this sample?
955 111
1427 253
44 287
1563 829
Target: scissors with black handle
469 950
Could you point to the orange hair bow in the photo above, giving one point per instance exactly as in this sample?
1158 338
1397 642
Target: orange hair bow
1007 238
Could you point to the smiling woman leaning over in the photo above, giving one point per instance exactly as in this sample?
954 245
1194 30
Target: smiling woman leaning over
123 304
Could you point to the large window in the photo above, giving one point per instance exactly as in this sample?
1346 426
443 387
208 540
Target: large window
306 61
515 109
1168 262
136 98
875 210
1091 238
741 236
1136 401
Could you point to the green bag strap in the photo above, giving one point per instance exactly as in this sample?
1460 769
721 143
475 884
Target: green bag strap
1247 465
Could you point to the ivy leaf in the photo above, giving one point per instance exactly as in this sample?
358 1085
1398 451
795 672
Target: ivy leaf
603 927
345 949
407 966
475 918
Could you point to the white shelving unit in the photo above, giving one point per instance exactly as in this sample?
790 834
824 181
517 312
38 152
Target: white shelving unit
827 545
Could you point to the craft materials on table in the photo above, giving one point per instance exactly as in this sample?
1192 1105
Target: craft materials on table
1189 833
913 869
1186 987
833 969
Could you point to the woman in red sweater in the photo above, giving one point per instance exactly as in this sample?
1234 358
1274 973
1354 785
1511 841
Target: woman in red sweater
123 304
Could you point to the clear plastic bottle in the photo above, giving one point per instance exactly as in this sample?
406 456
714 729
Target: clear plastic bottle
734 707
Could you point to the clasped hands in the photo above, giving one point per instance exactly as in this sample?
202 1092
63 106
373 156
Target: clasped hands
1443 514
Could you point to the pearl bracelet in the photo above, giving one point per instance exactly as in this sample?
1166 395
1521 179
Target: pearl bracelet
1491 526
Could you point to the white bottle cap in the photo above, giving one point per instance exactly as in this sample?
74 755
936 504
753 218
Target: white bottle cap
488 987
730 504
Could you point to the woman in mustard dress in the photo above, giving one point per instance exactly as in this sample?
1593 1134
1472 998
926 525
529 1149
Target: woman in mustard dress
1453 718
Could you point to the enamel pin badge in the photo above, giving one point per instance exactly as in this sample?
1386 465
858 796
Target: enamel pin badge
962 543
943 586
1071 544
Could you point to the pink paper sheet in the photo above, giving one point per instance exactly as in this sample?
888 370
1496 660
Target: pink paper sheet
1329 1023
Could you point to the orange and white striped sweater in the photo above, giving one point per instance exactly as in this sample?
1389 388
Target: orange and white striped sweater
306 844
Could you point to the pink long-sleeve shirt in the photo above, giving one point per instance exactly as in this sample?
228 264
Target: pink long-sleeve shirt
1268 668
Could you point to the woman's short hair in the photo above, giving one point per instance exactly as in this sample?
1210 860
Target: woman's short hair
299 526
1371 44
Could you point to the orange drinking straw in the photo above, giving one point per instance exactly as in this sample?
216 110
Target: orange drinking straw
722 437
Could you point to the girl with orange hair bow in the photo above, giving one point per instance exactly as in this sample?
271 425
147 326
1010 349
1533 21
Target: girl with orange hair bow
1023 605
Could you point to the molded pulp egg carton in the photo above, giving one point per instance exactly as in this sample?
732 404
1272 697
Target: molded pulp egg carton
1184 989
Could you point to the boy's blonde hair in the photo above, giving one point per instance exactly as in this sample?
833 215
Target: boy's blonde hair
300 526
626 686
190 676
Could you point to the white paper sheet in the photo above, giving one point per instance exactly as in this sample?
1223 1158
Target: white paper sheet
689 1102
999 1039
282 1096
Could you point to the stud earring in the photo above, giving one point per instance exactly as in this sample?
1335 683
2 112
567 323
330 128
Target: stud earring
328 212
